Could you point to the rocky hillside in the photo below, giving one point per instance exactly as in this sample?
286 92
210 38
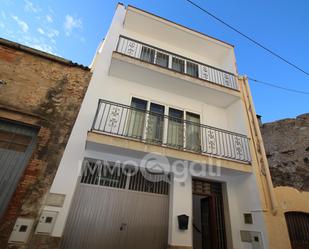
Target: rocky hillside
287 149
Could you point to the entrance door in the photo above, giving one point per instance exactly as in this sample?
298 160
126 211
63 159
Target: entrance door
16 145
207 226
298 226
112 210
208 216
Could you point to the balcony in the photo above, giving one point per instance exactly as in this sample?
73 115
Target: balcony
152 128
176 63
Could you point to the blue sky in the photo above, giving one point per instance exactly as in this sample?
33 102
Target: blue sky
73 30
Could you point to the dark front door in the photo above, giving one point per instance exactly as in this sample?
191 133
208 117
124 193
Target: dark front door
298 226
208 216
207 225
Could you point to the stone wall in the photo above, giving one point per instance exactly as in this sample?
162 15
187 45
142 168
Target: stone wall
287 148
45 91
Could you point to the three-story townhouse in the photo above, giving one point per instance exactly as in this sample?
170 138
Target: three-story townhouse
166 149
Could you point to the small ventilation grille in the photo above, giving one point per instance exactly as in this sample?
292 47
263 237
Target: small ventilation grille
201 188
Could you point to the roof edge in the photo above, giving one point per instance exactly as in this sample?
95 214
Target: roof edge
42 54
181 26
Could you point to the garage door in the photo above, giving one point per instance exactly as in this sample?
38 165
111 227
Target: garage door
16 146
112 209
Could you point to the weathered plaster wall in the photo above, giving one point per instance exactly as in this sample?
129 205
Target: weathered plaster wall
287 148
289 199
47 93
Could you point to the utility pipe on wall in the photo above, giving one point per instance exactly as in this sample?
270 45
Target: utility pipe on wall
258 141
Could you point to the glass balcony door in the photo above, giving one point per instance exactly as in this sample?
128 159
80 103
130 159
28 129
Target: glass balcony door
146 122
193 137
155 124
175 133
136 118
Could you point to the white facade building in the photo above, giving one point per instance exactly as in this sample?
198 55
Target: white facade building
162 97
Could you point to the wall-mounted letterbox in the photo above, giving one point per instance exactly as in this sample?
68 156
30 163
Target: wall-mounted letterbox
183 221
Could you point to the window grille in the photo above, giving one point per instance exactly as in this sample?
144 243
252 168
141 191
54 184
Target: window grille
103 173
162 59
147 54
298 227
178 65
192 69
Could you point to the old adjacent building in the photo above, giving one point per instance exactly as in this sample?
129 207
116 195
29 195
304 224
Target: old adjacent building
287 147
40 96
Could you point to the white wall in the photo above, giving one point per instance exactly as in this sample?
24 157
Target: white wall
243 198
180 203
179 40
119 90
235 116
202 57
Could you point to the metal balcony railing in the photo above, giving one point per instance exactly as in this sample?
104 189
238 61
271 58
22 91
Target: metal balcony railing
162 58
149 127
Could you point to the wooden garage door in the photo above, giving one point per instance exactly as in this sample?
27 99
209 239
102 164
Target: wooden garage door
16 145
114 211
298 226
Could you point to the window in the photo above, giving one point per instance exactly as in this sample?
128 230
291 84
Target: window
136 118
146 122
193 140
178 65
155 123
147 54
248 218
137 121
175 128
14 141
192 69
139 103
162 59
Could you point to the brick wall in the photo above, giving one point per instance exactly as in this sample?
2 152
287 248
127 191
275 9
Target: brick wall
47 92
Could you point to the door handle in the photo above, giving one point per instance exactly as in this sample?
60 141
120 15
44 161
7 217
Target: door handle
123 226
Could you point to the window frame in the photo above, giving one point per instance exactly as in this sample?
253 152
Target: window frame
166 113
197 69
182 65
152 56
164 54
14 141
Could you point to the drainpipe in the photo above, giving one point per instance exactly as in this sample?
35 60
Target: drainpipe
259 145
